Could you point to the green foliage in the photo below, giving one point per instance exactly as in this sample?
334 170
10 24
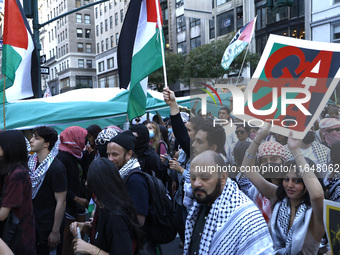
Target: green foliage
202 62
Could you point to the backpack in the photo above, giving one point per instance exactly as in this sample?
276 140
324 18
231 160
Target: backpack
160 223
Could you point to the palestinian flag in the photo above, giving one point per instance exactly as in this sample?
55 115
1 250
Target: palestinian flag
139 52
238 43
19 59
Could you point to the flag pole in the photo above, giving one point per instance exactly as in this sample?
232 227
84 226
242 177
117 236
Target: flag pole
162 46
3 102
245 55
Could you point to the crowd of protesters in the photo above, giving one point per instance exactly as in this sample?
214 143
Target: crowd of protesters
86 182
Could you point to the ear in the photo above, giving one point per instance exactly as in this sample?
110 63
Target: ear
129 154
224 177
46 144
213 147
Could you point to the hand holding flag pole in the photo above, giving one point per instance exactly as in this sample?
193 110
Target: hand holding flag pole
159 23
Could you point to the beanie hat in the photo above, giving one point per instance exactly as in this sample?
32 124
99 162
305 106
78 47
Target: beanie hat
126 139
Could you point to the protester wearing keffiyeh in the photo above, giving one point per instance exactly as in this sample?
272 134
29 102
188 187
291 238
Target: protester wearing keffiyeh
38 174
330 129
233 225
72 140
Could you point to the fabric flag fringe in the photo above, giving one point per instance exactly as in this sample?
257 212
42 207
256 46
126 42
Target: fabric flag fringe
238 43
19 58
139 52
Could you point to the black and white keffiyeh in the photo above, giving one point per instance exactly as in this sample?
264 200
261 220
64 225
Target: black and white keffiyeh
333 186
38 174
289 240
234 224
131 164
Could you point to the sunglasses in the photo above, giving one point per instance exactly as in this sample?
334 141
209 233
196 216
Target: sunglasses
241 132
334 129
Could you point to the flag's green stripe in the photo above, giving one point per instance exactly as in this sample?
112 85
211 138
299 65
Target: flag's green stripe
137 101
147 60
10 62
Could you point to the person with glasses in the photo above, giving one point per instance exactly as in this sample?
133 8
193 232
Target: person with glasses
242 133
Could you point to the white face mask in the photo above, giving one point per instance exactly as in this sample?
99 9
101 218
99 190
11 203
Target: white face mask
151 133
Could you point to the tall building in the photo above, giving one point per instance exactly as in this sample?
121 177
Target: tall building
69 45
109 17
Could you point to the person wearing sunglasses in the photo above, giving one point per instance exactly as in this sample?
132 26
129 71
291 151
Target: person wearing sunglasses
242 133
330 130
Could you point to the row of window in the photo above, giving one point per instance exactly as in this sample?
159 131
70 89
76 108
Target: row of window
106 23
81 35
81 63
105 8
181 24
109 64
62 22
194 43
87 18
108 45
88 47
62 36
79 3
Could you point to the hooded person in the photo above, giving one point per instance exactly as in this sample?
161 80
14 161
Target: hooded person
147 157
71 147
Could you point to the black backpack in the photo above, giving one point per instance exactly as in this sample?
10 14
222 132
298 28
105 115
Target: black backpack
160 224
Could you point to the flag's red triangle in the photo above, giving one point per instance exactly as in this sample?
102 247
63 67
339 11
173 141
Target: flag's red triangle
152 12
15 33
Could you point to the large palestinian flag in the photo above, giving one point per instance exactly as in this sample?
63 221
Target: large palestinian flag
139 52
19 59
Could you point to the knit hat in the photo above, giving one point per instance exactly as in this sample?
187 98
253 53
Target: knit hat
105 136
126 139
271 148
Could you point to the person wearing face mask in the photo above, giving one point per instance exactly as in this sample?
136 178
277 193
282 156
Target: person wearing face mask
155 137
147 157
319 153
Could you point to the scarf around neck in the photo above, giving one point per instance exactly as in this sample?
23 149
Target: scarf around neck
131 164
289 241
38 174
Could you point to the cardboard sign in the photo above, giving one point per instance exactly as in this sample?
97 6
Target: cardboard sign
292 84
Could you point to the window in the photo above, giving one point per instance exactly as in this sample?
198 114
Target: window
96 12
194 22
66 48
107 43
87 19
102 44
106 25
225 23
88 63
220 2
66 33
97 30
110 63
212 28
182 47
80 47
84 81
336 33
101 27
105 8
86 2
117 38
87 33
239 17
88 47
180 24
121 15
195 42
101 66
179 3
64 83
78 18
116 18
98 50
79 32
111 39
78 3
111 22
80 63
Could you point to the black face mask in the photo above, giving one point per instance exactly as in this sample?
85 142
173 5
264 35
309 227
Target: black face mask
309 138
142 142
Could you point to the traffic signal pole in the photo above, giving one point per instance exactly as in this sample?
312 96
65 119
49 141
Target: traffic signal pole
37 26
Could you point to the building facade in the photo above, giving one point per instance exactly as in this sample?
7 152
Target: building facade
69 45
